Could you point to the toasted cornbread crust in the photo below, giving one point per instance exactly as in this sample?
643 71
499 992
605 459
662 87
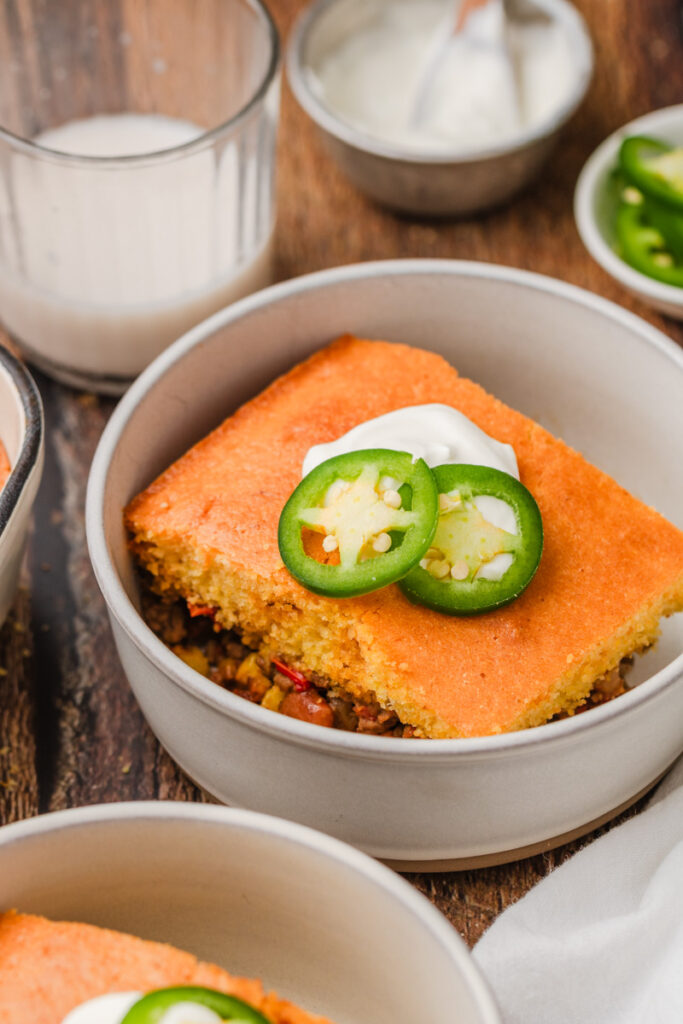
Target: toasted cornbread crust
47 968
611 567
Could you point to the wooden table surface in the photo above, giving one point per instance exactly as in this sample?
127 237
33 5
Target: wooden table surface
70 730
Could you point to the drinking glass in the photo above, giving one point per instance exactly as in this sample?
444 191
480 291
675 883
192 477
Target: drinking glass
137 164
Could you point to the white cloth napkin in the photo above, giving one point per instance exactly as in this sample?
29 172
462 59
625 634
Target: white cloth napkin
600 940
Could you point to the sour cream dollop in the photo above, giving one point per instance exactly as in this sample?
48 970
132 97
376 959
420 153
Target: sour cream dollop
441 436
112 1008
436 433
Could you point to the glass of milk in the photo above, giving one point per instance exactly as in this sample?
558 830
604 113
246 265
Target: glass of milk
137 167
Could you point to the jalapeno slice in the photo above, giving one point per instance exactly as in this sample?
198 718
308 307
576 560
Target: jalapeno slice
346 530
642 244
152 1007
668 223
487 544
655 167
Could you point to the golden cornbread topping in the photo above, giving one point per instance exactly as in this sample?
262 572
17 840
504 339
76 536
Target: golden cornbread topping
207 543
64 972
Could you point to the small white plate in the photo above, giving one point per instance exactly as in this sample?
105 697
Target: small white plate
593 209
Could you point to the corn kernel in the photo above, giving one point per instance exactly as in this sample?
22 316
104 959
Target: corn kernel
273 698
194 657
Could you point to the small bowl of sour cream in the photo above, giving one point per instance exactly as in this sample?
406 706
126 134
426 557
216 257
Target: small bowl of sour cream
437 127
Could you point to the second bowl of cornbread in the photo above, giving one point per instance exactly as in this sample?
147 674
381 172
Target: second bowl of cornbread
561 356
259 897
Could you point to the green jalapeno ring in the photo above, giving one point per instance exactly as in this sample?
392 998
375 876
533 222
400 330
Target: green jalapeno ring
669 224
633 162
414 516
472 596
151 1007
641 244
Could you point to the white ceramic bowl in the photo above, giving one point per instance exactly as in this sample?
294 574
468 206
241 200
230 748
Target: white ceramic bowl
321 923
21 432
441 182
602 379
593 209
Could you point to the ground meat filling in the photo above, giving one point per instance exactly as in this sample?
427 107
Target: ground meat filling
221 656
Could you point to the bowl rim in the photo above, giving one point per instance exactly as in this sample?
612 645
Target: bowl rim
326 847
334 741
157 156
32 440
586 189
344 131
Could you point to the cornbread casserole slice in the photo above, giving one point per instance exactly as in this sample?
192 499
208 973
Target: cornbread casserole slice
206 530
48 968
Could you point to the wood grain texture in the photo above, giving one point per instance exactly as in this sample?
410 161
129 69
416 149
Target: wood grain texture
70 730
63 59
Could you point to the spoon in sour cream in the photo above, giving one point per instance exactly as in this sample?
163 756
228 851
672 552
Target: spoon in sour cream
470 58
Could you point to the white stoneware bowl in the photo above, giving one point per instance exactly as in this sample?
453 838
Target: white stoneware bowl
320 922
597 376
441 182
593 209
21 433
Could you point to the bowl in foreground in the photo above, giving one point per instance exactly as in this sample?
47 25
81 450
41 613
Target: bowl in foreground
21 434
558 354
319 922
444 181
594 209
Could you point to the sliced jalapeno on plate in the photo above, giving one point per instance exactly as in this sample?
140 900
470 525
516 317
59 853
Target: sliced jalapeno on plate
152 1007
642 244
655 167
668 223
358 522
487 544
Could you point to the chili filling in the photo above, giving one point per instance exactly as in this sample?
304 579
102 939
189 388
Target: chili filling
223 657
